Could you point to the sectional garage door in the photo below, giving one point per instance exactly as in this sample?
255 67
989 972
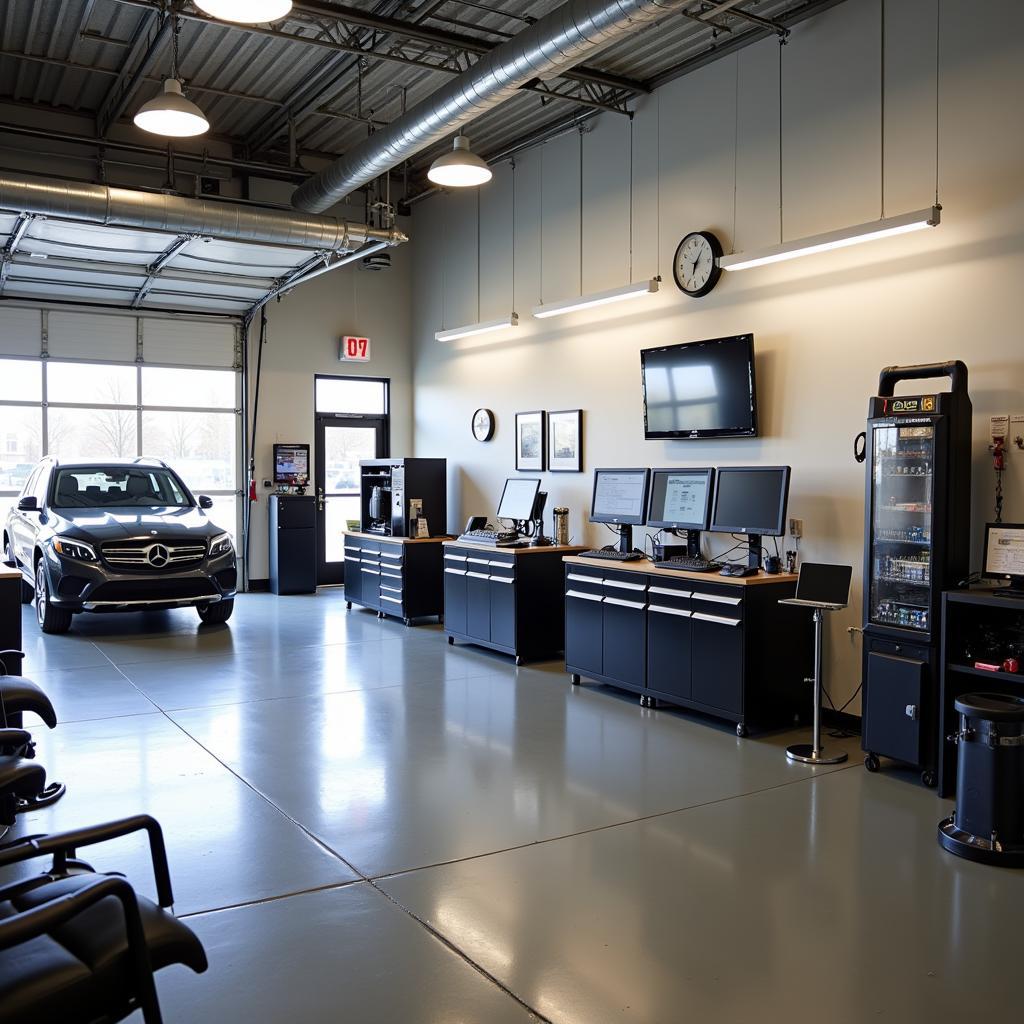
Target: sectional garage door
84 385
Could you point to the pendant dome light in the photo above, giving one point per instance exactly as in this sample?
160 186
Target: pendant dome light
169 113
245 12
461 168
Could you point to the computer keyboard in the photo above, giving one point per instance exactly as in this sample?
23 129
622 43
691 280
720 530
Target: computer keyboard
495 538
613 556
688 563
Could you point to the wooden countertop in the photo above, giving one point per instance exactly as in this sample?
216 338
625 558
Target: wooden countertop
444 537
546 549
648 569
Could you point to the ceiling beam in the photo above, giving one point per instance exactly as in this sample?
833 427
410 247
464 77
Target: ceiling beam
142 55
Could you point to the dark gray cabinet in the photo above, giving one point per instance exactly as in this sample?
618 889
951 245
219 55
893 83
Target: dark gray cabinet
506 599
292 543
727 649
401 577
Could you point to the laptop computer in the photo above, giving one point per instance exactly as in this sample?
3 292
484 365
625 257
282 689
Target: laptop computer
821 585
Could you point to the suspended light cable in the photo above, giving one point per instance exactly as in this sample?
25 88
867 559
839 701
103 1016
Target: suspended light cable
170 113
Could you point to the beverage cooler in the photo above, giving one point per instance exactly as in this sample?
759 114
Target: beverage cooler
917 544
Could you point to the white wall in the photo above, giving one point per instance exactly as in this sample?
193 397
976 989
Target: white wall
824 326
303 331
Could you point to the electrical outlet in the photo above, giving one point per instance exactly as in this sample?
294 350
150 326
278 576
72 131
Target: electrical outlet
796 528
268 483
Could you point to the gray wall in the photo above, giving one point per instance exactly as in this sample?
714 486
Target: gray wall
303 331
704 152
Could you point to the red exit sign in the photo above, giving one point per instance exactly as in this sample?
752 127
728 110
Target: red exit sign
354 350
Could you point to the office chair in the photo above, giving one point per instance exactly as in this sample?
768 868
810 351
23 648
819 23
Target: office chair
82 947
21 780
18 695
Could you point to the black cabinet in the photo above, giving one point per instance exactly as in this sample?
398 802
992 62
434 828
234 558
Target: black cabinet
10 619
507 599
895 724
394 576
292 544
726 649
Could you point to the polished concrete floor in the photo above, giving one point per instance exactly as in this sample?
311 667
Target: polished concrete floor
367 825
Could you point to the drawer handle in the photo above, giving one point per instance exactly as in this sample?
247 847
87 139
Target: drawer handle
393 600
502 565
625 586
456 572
584 597
353 560
370 572
478 575
669 611
391 590
716 598
624 604
704 617
584 579
670 592
454 558
388 554
502 579
390 575
478 561
350 548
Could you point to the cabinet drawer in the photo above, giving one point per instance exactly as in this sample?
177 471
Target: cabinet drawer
452 558
354 549
715 603
392 553
588 586
390 599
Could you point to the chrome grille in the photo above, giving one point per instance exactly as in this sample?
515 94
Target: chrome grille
152 554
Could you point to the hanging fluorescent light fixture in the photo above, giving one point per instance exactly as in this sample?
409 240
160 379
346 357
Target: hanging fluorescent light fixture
883 228
482 328
245 12
169 113
461 168
630 291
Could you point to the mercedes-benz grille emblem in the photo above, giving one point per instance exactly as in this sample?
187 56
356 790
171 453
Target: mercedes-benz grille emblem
157 555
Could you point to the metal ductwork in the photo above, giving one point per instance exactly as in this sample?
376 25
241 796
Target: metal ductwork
554 44
177 215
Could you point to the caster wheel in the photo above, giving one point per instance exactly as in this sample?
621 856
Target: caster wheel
742 731
643 701
871 763
519 660
451 641
574 679
408 622
348 605
652 702
929 778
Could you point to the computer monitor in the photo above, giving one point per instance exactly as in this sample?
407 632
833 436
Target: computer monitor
291 464
518 499
751 500
1004 554
680 498
620 499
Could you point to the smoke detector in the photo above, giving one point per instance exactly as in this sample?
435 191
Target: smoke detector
377 261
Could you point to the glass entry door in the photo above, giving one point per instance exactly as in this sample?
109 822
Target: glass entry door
902 516
341 442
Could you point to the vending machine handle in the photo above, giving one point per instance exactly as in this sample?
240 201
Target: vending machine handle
891 375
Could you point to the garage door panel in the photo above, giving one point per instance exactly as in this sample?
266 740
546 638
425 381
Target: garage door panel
92 336
21 331
187 342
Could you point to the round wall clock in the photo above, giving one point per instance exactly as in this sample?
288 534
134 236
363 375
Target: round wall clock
695 266
483 424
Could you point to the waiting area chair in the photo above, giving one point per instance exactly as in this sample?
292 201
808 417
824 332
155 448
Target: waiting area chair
80 947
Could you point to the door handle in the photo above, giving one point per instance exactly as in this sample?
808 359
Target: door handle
320 499
911 712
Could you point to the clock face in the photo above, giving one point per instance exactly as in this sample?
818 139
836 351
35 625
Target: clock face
483 424
696 268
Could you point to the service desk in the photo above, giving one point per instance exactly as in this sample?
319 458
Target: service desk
10 617
399 576
507 599
712 643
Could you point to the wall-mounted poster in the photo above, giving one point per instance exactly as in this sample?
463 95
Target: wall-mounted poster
530 441
565 441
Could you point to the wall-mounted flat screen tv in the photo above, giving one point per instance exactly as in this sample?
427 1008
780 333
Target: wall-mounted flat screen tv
700 389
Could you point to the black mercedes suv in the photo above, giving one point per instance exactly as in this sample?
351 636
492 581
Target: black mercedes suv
117 536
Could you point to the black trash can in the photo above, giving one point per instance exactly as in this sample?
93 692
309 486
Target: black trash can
988 824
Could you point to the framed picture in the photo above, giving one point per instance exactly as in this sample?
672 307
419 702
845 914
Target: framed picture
530 440
565 441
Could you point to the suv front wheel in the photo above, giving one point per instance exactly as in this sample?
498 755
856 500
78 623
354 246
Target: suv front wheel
216 613
50 619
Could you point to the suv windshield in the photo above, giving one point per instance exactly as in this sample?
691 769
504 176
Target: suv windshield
102 487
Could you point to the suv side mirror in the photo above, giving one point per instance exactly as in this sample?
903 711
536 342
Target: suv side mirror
205 501
29 504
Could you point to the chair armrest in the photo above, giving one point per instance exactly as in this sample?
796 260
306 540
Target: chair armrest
41 920
14 737
7 653
64 844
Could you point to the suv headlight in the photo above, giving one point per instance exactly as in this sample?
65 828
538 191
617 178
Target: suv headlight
221 545
76 549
